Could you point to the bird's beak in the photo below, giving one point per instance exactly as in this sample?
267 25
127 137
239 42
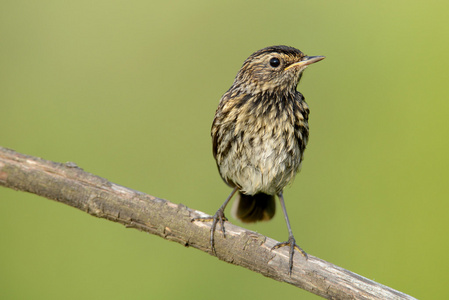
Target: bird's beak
305 61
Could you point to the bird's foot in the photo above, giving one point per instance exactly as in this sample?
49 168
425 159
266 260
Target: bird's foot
218 217
292 245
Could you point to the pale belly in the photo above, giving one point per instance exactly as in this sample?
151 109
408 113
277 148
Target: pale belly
264 165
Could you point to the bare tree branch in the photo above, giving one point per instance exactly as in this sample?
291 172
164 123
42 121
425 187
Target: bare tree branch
97 196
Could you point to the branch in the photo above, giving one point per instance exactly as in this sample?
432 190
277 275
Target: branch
69 184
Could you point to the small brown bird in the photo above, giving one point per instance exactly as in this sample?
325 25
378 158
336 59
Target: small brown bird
259 135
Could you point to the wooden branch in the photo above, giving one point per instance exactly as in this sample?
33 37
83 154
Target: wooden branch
70 185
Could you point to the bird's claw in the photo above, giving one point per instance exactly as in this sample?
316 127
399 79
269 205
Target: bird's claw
218 217
292 246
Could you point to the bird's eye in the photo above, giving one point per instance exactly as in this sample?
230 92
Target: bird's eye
274 62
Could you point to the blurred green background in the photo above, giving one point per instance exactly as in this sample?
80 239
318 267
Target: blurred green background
128 91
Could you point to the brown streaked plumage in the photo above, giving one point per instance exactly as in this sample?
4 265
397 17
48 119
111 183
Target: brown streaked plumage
259 134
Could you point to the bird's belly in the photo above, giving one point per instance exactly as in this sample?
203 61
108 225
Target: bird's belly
264 164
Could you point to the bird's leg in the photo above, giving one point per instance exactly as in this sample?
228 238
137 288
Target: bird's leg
291 240
218 217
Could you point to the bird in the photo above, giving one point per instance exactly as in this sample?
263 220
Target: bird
259 134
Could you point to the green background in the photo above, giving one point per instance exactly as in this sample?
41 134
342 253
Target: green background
128 90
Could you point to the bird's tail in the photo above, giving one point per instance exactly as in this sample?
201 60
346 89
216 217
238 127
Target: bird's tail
253 208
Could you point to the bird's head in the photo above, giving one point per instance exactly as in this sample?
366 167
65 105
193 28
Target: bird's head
276 68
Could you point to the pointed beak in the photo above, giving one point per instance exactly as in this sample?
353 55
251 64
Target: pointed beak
305 61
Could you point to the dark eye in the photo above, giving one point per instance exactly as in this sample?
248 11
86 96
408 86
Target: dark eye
274 62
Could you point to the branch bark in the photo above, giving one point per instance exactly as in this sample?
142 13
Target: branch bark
69 184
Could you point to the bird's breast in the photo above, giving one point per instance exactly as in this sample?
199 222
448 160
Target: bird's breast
259 149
